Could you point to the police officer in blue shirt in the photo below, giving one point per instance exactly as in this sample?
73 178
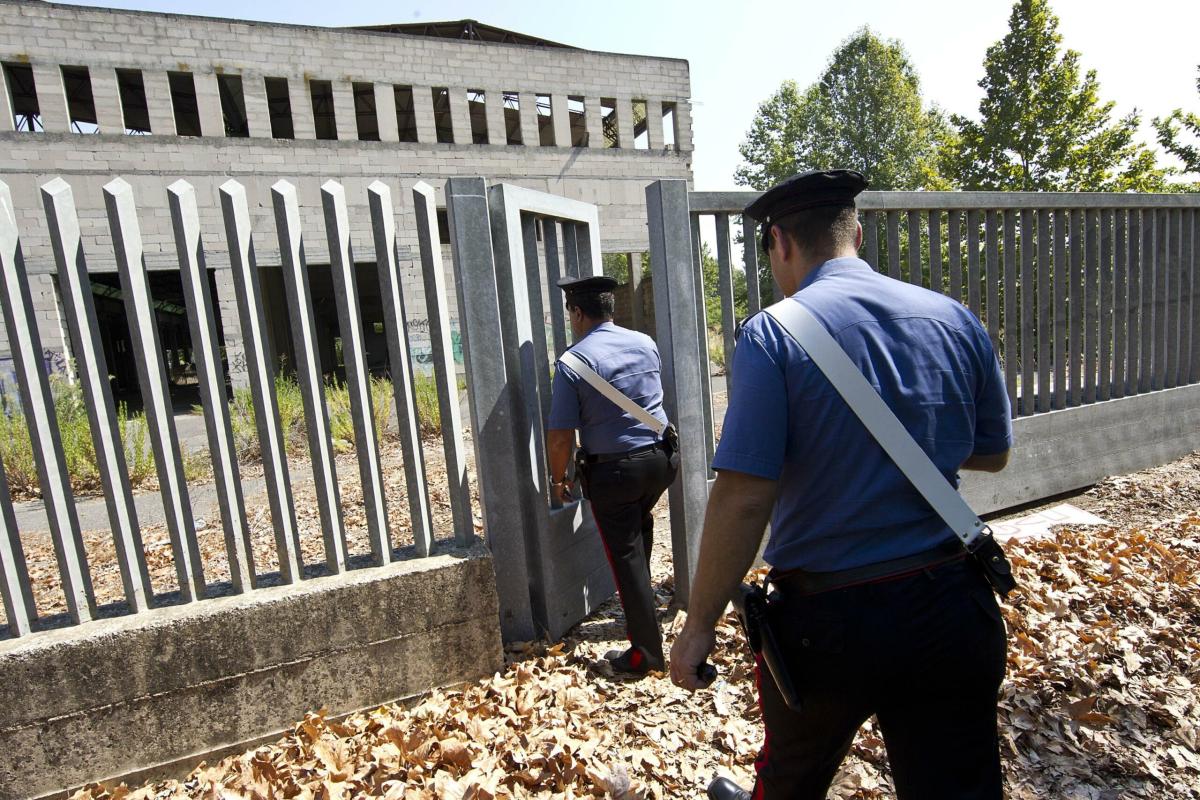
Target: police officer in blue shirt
877 610
628 466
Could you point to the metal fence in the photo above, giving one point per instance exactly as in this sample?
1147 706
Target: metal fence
92 373
1086 297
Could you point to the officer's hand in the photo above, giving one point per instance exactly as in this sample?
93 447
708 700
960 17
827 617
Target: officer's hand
689 652
564 492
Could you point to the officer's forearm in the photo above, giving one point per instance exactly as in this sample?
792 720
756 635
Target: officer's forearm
559 443
739 507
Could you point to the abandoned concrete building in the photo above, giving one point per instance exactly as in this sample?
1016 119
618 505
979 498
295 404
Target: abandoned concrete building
91 93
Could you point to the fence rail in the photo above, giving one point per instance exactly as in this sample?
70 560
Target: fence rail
91 370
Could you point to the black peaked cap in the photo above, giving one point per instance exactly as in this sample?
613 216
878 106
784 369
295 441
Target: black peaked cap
593 284
818 187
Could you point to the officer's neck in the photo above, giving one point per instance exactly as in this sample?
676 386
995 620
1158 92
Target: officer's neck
803 263
588 324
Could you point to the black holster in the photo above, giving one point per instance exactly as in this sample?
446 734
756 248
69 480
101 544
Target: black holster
670 440
753 609
993 563
581 470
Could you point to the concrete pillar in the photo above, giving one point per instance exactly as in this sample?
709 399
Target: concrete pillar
595 125
385 112
625 122
683 125
258 113
303 125
529 120
562 120
654 124
52 100
343 111
423 109
158 103
494 103
231 328
208 104
460 115
6 117
107 99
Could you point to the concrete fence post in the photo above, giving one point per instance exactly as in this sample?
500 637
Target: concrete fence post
437 303
210 374
37 402
679 339
156 398
286 204
261 375
494 412
358 376
91 369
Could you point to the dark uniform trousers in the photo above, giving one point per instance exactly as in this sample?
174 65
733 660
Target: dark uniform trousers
924 653
622 494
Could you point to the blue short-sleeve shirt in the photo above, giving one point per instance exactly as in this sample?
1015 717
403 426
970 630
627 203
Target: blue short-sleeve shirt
842 502
628 360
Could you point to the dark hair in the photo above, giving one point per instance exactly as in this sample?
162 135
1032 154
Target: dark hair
594 305
822 229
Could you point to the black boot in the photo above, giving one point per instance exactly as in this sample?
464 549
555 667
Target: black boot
634 661
725 789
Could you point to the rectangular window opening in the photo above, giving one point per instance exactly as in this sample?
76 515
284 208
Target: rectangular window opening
641 129
406 113
134 109
279 108
81 105
233 105
442 123
183 103
22 93
322 105
578 115
545 119
477 107
669 126
608 120
443 220
365 116
512 118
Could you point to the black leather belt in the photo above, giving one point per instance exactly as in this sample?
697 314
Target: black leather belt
601 458
800 581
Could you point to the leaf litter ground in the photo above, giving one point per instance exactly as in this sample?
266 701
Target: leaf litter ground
1100 702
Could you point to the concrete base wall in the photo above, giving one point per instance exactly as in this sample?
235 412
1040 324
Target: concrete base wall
177 684
1065 450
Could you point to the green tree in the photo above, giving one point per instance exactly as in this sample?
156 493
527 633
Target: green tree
1173 132
1042 124
710 271
865 113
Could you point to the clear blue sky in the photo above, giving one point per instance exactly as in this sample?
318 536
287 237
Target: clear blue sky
1145 54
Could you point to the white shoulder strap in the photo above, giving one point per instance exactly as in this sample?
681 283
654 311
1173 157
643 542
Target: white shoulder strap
880 420
612 393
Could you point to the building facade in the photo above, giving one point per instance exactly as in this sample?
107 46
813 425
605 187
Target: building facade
89 94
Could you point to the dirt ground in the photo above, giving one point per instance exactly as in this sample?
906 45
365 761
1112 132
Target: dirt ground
1100 701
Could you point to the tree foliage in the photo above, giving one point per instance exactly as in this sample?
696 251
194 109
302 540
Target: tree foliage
1176 129
865 113
1042 124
